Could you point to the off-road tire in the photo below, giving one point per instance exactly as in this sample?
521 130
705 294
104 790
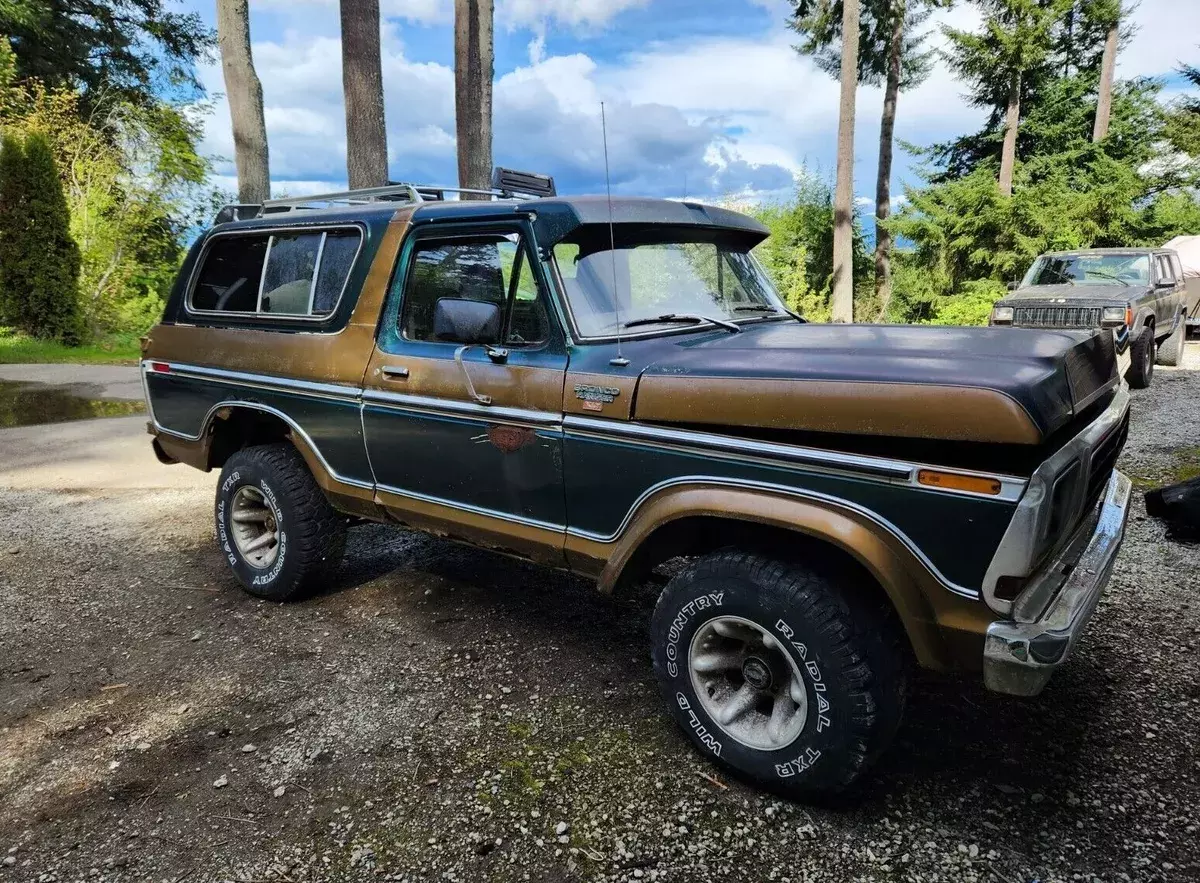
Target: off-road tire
312 536
850 653
1170 351
1141 359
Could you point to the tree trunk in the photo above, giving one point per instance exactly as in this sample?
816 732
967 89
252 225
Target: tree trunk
1008 155
1104 101
244 93
883 183
473 71
362 84
843 195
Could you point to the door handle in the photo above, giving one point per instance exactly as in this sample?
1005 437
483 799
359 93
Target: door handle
395 372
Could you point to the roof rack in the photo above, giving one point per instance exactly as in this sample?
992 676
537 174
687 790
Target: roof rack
506 184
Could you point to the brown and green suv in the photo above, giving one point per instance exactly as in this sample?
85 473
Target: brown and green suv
603 398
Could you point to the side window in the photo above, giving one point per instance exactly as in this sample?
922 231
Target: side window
290 275
229 279
489 268
288 281
1166 272
337 257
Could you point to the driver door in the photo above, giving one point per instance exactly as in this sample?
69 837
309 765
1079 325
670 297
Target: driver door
465 436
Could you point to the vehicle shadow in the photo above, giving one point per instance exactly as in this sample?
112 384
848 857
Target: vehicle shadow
956 736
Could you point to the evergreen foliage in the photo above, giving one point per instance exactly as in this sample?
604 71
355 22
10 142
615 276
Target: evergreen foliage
132 49
39 261
1129 189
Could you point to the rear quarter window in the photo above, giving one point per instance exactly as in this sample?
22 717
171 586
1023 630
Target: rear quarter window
283 275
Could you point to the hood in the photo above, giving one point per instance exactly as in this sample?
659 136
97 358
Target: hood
1074 295
1005 385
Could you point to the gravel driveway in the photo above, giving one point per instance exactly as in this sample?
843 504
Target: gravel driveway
445 714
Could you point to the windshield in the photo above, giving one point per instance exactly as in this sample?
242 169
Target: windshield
1095 269
712 279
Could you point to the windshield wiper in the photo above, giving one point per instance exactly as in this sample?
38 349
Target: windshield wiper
683 317
765 308
1108 276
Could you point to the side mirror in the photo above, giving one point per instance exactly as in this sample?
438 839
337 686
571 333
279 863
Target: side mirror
1013 286
457 320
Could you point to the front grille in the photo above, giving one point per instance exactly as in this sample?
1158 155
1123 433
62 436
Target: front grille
1057 317
1104 460
1091 367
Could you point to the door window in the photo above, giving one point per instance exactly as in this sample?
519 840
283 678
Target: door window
491 268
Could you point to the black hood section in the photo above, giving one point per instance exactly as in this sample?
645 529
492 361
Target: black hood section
1073 295
1052 375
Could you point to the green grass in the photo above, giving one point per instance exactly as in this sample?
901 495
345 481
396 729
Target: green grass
119 349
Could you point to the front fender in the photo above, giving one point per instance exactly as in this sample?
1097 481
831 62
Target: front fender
945 630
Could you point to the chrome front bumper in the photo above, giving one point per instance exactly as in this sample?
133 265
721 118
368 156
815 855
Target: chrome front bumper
1019 657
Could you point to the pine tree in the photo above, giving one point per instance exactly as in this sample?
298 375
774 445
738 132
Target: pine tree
14 222
890 54
1003 61
39 261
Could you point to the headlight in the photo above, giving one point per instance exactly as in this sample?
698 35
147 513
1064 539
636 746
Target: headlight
1002 315
1114 317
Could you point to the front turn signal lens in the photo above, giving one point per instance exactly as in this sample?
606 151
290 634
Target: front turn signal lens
955 481
1002 315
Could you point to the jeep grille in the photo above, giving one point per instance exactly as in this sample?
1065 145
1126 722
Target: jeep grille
1057 317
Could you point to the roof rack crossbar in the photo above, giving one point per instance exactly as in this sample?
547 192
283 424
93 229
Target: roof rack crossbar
388 193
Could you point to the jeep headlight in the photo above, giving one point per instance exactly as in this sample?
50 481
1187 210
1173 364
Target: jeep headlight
1114 317
1002 315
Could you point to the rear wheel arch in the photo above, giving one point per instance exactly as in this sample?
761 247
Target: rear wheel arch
233 427
786 528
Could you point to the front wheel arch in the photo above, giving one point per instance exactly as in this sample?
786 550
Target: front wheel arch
677 522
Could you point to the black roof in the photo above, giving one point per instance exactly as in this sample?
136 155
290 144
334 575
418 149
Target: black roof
555 217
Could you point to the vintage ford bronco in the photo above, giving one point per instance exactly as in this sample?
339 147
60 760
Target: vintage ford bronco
606 388
1137 293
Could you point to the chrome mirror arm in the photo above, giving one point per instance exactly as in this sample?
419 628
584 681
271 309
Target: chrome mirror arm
494 353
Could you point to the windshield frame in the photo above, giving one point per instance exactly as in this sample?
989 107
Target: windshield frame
667 328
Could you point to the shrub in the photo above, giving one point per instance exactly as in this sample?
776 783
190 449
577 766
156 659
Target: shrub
39 261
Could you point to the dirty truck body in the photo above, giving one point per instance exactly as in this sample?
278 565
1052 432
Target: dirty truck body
849 498
1139 295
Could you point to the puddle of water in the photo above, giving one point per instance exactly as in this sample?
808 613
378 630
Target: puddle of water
25 404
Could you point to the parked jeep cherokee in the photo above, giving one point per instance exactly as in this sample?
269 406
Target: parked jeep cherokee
1138 293
605 388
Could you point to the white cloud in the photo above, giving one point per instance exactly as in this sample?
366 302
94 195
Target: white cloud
1168 32
426 12
568 13
546 117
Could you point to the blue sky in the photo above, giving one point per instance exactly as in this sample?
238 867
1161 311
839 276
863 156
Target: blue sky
706 95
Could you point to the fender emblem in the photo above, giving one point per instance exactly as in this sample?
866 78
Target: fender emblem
603 394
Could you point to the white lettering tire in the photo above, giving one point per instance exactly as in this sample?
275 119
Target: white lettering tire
775 674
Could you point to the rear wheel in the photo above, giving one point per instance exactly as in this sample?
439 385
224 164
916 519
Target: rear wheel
279 534
774 674
1142 352
1170 351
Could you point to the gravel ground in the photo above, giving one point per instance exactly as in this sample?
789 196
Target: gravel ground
445 714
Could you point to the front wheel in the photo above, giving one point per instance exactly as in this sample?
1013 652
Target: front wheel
1141 359
279 534
772 673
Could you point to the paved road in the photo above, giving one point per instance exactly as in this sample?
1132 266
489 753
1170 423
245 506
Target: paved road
90 381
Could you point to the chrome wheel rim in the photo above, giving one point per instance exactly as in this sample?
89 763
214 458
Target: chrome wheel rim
747 683
255 527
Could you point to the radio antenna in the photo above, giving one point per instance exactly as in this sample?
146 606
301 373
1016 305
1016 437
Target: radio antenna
620 361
